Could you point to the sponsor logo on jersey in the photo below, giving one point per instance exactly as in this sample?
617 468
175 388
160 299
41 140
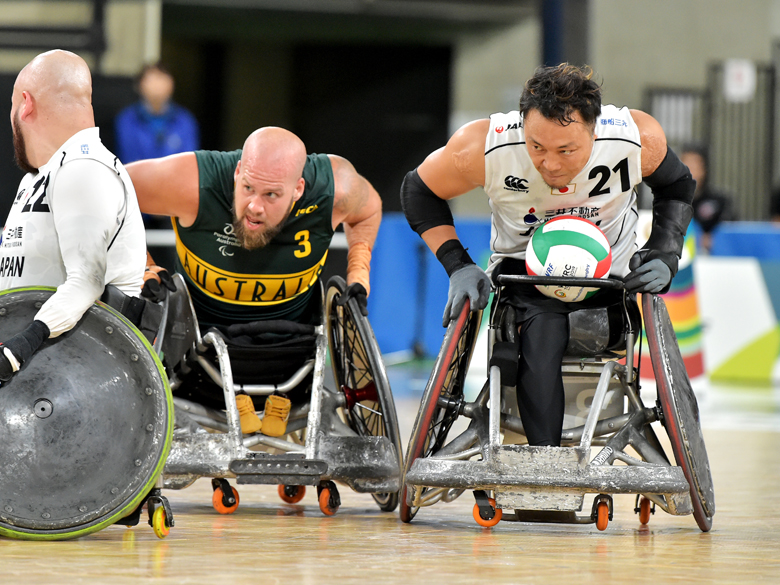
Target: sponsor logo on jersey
11 266
11 237
530 219
499 129
512 183
246 289
225 239
306 210
85 149
613 122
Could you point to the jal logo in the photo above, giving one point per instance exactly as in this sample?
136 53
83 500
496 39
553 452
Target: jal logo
514 126
515 184
499 129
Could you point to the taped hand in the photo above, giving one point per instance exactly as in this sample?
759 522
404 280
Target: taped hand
157 283
468 282
8 364
651 272
358 292
20 348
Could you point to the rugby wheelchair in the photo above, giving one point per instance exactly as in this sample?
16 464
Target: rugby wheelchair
609 448
86 426
347 434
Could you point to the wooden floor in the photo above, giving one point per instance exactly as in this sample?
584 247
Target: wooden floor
267 542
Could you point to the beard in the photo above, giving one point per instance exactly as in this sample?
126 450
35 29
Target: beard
20 150
256 239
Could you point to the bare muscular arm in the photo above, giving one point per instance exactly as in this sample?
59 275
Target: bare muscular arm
453 170
358 206
168 186
653 141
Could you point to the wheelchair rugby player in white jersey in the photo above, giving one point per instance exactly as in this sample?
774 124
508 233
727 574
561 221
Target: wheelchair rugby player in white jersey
561 153
70 367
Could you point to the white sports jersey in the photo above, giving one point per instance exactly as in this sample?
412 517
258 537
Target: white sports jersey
74 225
603 192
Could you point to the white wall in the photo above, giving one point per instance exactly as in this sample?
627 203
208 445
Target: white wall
670 43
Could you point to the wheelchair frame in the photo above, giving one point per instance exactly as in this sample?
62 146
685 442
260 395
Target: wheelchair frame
351 434
549 483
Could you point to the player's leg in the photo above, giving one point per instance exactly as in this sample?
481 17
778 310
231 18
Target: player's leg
540 394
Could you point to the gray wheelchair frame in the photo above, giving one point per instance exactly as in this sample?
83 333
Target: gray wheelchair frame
339 435
549 483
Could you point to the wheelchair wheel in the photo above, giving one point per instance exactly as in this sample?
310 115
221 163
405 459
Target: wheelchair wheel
86 425
447 380
360 374
680 408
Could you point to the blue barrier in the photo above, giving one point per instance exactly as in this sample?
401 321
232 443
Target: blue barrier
409 286
744 238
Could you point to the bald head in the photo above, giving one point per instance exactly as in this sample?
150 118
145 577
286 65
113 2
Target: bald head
276 150
51 101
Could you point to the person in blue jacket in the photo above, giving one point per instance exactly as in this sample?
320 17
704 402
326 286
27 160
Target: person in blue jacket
155 126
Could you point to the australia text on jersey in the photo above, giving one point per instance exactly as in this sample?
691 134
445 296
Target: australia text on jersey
247 289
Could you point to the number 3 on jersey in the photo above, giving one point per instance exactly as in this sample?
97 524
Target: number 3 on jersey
302 238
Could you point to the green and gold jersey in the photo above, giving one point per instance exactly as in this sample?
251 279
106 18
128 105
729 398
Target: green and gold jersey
229 284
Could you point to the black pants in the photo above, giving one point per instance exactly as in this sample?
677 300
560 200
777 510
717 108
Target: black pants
544 337
540 394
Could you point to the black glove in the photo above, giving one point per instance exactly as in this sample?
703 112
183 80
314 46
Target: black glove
670 222
157 291
470 282
651 271
21 347
358 292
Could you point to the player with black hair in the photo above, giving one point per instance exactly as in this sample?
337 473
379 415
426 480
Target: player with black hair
561 153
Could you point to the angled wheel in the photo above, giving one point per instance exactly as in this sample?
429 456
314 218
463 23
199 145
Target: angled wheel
644 510
438 410
680 408
360 374
328 498
292 494
160 523
225 497
492 521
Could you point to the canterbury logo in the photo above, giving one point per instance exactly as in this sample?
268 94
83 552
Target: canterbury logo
515 183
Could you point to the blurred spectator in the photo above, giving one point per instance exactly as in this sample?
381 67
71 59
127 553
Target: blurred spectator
710 206
154 126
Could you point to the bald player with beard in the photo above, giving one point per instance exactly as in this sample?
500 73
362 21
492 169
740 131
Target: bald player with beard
74 223
253 227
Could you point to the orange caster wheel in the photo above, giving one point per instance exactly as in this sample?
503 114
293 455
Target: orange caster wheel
328 498
601 513
160 523
644 510
488 523
602 516
225 497
292 494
